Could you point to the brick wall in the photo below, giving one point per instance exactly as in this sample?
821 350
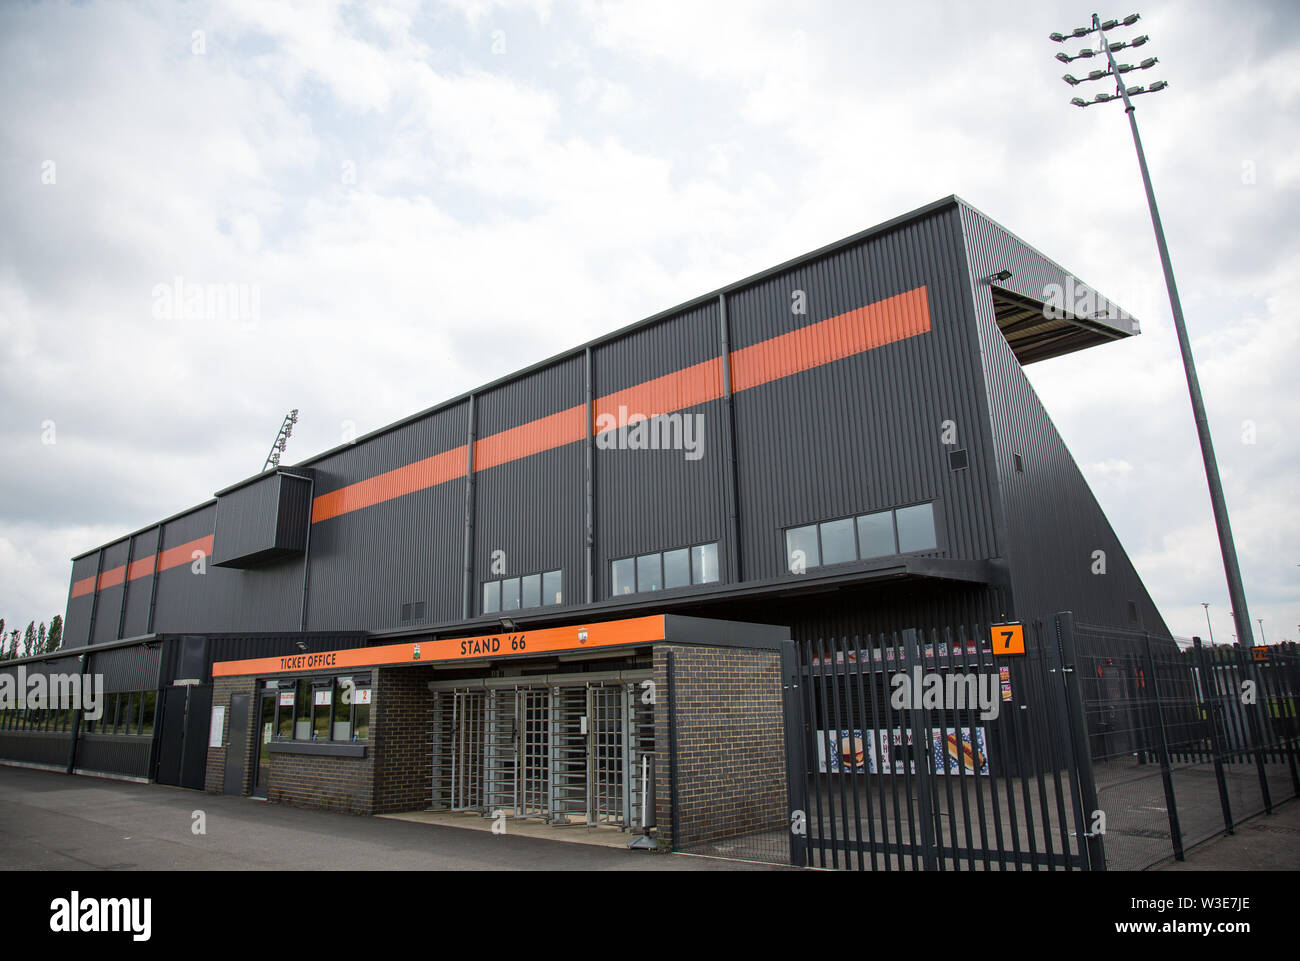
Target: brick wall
395 774
403 739
730 743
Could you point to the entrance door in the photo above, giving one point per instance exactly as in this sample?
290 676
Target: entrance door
265 731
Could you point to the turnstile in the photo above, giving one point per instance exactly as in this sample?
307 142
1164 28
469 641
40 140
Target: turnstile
568 753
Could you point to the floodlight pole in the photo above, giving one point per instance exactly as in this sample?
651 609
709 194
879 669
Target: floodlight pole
1240 614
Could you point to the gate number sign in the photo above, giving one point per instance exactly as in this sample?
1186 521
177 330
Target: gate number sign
1008 639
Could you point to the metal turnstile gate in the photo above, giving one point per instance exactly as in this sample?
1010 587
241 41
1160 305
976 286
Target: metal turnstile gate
565 753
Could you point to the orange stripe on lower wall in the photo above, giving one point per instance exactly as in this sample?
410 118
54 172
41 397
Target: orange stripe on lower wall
84 586
884 322
112 577
143 567
554 430
425 473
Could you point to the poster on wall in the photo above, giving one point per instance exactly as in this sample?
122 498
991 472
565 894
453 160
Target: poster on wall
955 751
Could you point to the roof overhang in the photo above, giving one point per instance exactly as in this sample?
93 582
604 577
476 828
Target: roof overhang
1038 330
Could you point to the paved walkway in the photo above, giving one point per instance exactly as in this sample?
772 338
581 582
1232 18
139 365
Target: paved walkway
1269 842
51 822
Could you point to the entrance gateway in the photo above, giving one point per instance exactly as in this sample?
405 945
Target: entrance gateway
572 750
559 724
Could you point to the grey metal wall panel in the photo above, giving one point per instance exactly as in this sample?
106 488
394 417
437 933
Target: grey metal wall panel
865 432
366 564
532 511
137 599
294 516
246 520
1054 522
76 620
664 347
114 754
132 668
438 432
109 604
534 395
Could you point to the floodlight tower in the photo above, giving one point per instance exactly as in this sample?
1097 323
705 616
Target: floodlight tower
1125 93
281 440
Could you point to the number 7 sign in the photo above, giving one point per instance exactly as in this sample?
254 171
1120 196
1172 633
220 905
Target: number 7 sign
1008 639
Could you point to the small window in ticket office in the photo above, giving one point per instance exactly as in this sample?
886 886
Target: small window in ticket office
302 711
344 695
322 700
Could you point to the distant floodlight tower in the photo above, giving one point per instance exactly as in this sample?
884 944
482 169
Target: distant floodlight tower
1241 615
281 440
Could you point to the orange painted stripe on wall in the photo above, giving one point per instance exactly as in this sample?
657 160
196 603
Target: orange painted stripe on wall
545 433
884 322
83 586
425 473
112 577
184 553
141 567
672 392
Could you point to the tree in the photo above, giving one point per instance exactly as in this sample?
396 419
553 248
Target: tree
4 642
40 639
13 643
29 639
55 640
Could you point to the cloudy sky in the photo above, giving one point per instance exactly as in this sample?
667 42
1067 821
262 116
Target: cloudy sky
425 196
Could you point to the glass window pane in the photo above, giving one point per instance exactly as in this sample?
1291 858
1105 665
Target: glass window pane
876 534
704 563
510 594
146 719
677 568
553 587
284 713
916 528
302 711
649 574
344 693
491 597
801 550
363 698
624 574
532 591
837 542
321 700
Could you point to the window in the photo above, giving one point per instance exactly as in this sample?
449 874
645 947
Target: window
341 730
518 593
149 701
680 567
916 528
332 708
302 711
321 702
879 534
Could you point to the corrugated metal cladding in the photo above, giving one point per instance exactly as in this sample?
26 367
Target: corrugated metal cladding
76 621
132 668
114 754
865 432
136 621
1048 573
261 519
531 510
110 593
239 647
266 599
366 564
655 500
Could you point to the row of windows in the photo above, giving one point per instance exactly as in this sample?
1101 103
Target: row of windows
665 570
532 590
317 709
130 712
881 534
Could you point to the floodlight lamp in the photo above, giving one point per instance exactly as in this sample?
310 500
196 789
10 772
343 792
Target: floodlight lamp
1103 97
1097 74
293 415
1150 62
1087 52
282 443
1134 91
1081 31
1064 57
1138 41
1078 101
1158 86
1110 25
1131 19
1073 81
1123 67
1058 37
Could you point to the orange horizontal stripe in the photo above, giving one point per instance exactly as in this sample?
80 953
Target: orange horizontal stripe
429 472
884 322
545 433
673 392
635 630
184 553
141 568
172 557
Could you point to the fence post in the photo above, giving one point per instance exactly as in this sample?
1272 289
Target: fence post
1162 745
795 754
1094 847
1246 671
922 753
1208 694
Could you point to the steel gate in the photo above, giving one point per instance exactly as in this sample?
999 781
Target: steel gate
564 753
